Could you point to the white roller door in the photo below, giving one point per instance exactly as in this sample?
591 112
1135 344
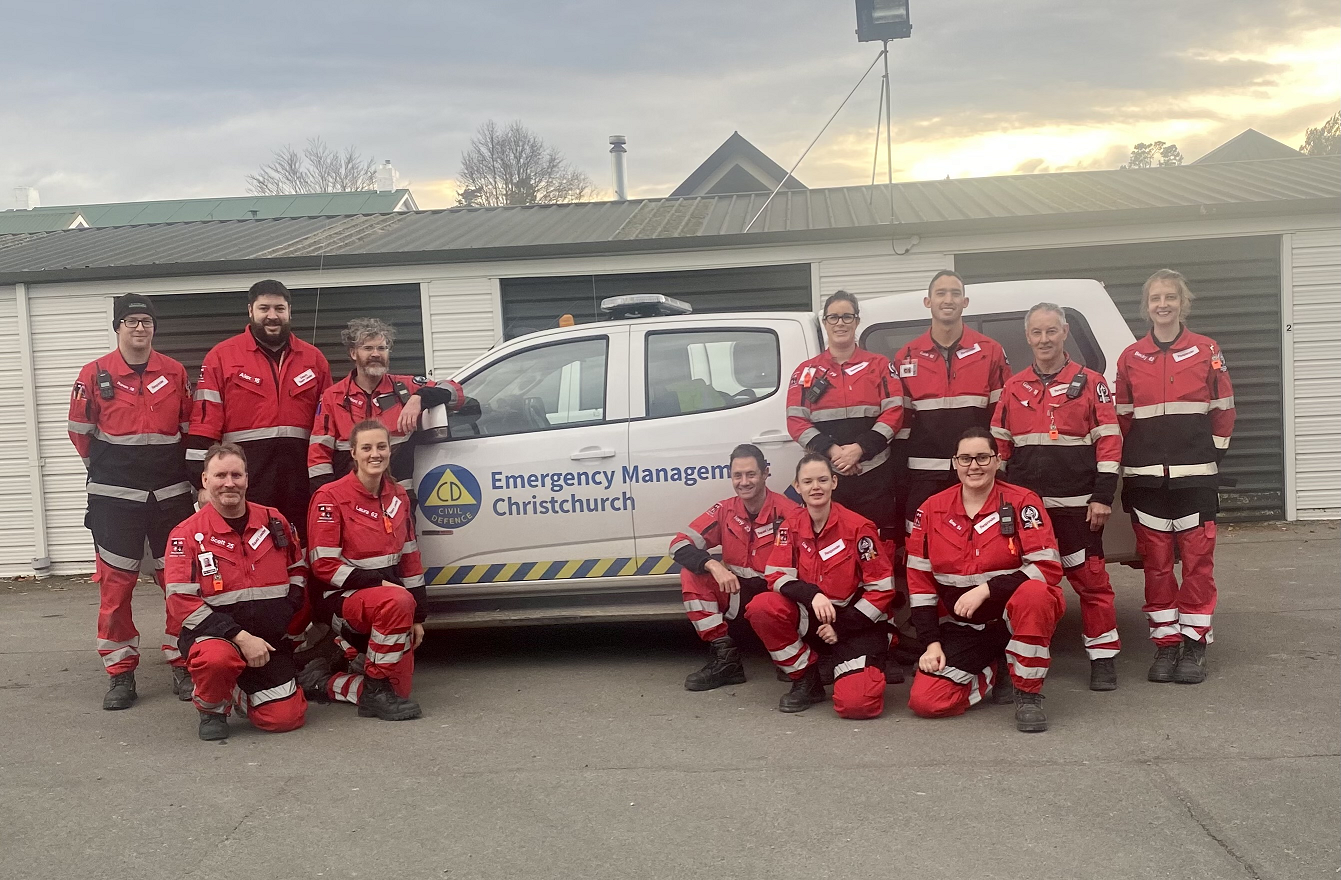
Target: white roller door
877 276
1315 329
459 323
17 547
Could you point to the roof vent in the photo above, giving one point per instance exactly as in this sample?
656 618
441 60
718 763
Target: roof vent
385 179
26 198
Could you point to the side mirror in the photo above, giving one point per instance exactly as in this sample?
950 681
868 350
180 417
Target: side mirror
463 422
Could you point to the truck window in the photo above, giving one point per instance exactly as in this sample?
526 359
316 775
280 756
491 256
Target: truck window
1005 328
540 388
704 370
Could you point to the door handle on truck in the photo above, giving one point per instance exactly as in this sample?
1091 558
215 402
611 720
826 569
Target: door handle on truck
771 437
590 452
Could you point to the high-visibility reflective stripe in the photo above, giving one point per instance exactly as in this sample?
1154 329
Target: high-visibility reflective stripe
890 402
1046 439
269 695
883 430
1002 433
341 575
986 678
1044 555
322 440
324 552
708 606
248 594
118 655
968 581
844 412
866 608
219 708
922 600
1066 500
1071 560
320 470
1159 524
182 488
1145 470
733 606
808 435
1193 470
1222 403
371 562
80 427
137 439
964 623
1220 442
955 674
289 431
1032 571
413 581
196 454
125 494
807 657
1194 619
1159 632
1101 653
798 412
208 395
881 586
1124 409
921 563
1102 638
694 536
956 402
703 624
1171 408
677 546
1107 467
1166 615
904 434
1024 649
788 651
1105 431
109 645
871 464
125 563
1191 633
183 589
297 581
409 547
783 570
744 571
1018 668
928 464
994 396
389 639
856 664
197 617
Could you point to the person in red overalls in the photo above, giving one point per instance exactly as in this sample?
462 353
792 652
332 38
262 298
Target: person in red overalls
983 575
1175 403
368 580
715 590
846 405
371 391
236 576
128 411
831 589
1058 435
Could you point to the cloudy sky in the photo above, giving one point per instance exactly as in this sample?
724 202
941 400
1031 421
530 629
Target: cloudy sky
140 100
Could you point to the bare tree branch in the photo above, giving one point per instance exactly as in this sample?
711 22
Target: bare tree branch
1325 140
317 169
512 165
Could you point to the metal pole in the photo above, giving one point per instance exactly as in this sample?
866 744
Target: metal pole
879 114
889 153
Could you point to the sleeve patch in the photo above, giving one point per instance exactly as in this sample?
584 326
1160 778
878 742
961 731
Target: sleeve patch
80 392
1101 391
325 513
1030 518
866 549
178 547
782 539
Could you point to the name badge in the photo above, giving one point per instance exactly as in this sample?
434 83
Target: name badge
255 540
855 368
304 377
764 531
1057 390
832 550
987 523
1186 353
965 352
207 564
392 507
246 377
157 384
907 371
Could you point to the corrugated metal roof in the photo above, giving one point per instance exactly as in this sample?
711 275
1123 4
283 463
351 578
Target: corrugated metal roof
1246 145
1038 200
238 208
30 221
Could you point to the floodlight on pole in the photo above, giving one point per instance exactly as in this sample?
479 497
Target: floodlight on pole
883 20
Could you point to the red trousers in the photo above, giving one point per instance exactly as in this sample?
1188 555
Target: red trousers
1173 611
118 639
215 666
385 615
709 608
1083 560
1030 617
786 629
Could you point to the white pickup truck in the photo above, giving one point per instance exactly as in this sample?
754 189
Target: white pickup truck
554 500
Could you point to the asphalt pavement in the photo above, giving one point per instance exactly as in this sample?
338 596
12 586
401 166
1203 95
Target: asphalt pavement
576 753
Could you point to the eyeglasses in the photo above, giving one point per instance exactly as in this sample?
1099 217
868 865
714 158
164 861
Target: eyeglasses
982 459
834 320
132 323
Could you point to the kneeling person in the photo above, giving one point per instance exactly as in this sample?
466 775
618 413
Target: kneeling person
235 578
831 584
983 575
367 578
715 591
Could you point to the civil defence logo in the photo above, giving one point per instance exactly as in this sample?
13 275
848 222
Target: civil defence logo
449 496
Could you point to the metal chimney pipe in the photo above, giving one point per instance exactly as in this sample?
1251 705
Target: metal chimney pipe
617 153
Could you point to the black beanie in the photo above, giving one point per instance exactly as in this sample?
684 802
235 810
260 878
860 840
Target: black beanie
132 304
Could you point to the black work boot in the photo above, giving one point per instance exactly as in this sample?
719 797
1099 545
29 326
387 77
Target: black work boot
121 692
806 691
313 680
213 726
1029 717
182 685
1191 668
1103 674
724 668
893 672
1003 692
378 700
1166 658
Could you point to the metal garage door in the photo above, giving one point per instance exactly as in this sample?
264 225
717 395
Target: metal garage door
531 304
190 324
1237 286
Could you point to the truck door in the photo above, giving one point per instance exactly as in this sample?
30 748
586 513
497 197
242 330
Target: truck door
535 495
697 391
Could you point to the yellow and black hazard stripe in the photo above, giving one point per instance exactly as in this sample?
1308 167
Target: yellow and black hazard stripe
563 569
